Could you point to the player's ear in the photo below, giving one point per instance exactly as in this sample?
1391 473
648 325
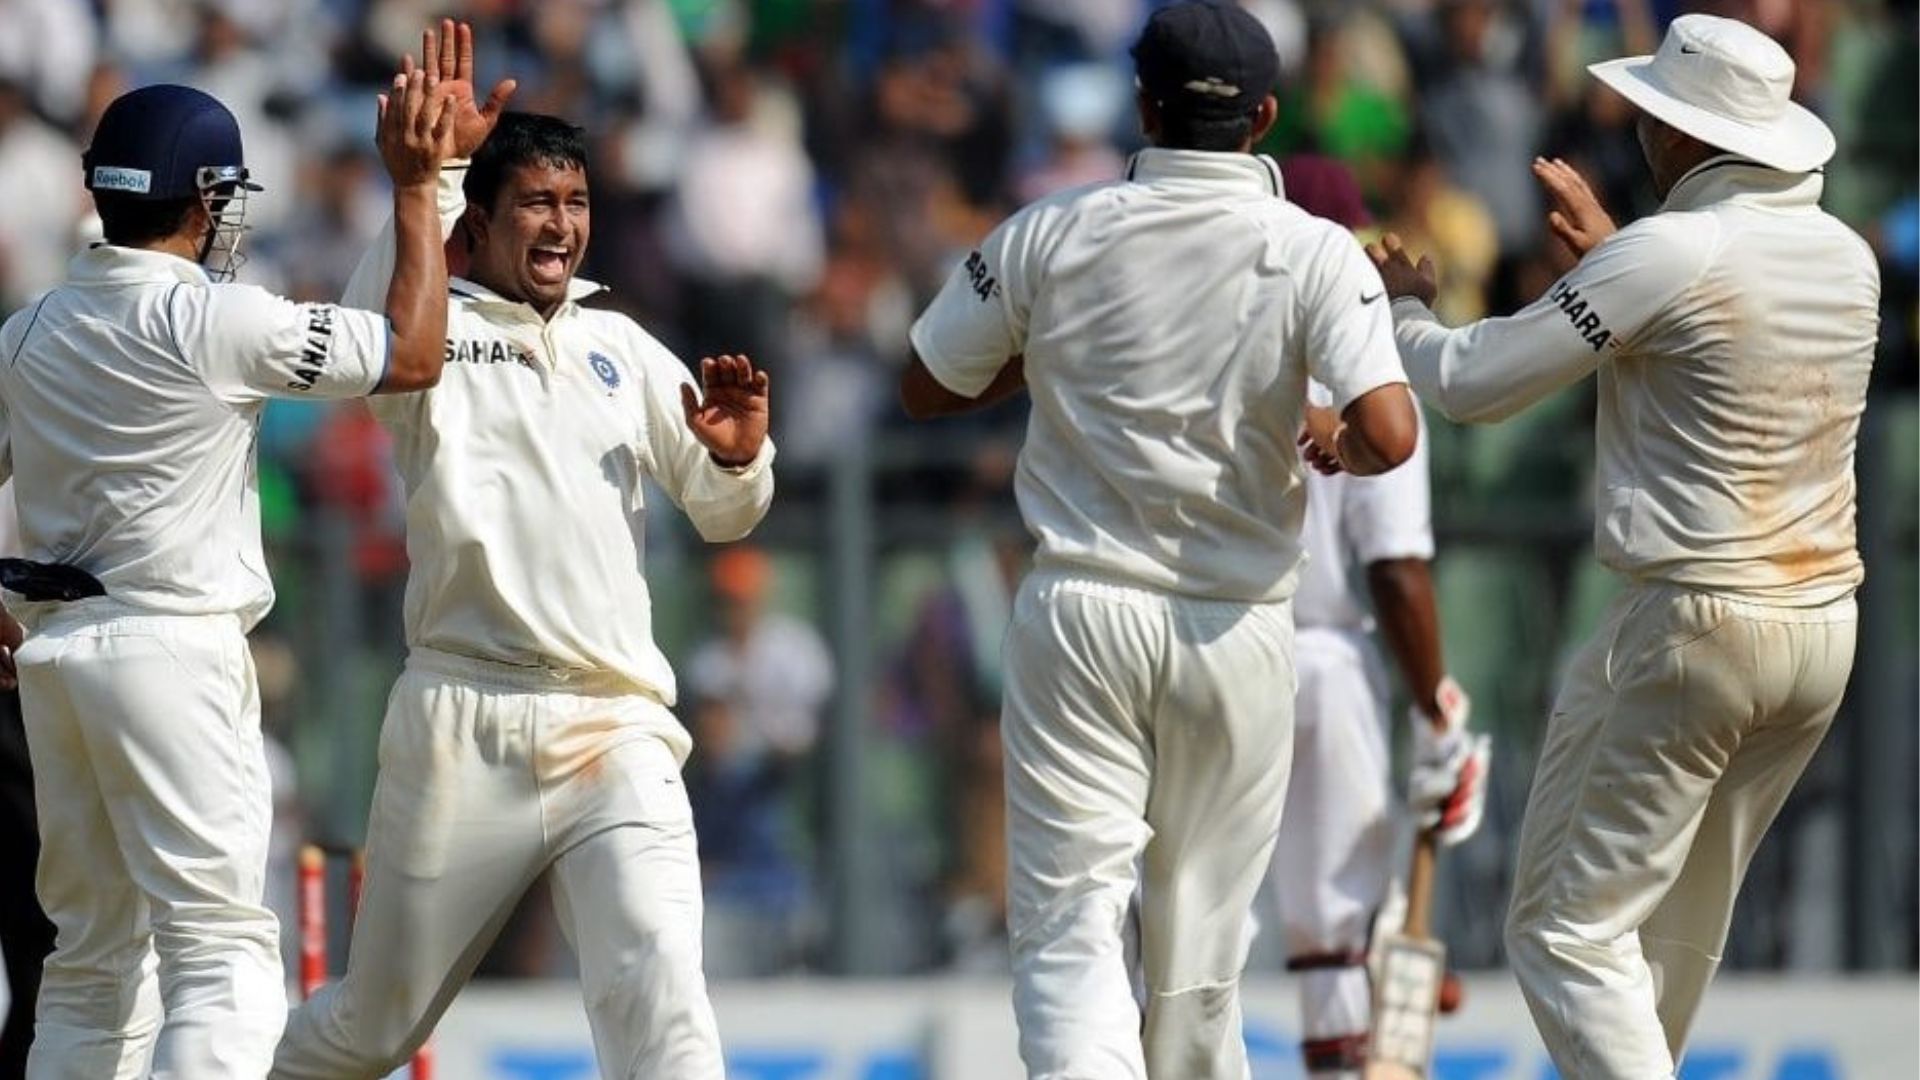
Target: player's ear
472 227
1264 117
198 223
1149 116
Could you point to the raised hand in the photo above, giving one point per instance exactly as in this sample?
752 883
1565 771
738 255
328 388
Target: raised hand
1401 275
1577 219
729 415
448 54
415 127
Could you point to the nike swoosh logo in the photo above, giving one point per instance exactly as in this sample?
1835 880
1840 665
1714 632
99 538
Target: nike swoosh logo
1365 299
1690 50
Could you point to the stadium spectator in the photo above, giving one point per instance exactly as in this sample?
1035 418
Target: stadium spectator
841 158
40 200
758 688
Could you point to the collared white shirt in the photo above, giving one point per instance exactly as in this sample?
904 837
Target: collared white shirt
526 518
1734 334
1353 522
129 402
1169 322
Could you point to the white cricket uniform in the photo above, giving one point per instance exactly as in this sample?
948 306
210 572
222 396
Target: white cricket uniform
531 728
1733 333
129 402
1331 866
1169 322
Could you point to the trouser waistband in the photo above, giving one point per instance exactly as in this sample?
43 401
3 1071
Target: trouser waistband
499 675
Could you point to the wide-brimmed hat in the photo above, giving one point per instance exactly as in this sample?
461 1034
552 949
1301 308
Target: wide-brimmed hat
1728 85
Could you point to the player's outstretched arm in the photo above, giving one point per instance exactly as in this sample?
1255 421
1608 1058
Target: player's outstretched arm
1489 370
415 136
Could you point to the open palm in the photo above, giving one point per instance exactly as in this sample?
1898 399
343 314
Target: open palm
448 58
729 415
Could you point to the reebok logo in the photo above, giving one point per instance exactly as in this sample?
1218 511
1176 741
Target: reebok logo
111 178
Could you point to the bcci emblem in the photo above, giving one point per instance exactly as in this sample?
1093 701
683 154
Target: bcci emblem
604 368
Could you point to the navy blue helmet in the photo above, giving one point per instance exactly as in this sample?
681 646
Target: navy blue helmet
165 142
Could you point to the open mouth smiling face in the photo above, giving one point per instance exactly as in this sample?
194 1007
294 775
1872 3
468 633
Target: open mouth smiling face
536 235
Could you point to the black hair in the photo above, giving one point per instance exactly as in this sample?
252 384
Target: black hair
1181 132
129 222
522 139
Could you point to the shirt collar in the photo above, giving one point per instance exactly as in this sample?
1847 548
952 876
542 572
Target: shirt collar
578 289
110 264
1731 178
1254 174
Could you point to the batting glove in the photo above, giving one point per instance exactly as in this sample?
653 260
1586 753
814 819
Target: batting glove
1447 786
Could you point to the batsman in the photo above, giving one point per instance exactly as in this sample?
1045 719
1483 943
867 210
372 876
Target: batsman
1369 544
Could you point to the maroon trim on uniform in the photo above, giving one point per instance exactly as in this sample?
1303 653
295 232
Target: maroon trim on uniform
1340 1053
1321 960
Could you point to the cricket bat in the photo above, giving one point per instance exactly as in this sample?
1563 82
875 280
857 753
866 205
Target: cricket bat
1406 993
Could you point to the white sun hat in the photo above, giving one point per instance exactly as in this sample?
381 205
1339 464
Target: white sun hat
1728 85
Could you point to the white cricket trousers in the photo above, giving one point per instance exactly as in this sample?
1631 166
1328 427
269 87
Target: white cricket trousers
1332 864
489 775
1681 728
1147 740
150 776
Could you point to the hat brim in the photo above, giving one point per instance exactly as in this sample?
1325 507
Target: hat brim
1797 141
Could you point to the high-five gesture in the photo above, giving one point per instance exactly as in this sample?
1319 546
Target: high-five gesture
415 128
448 55
1577 219
729 415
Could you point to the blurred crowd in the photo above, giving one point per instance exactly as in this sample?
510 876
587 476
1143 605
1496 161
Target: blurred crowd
793 179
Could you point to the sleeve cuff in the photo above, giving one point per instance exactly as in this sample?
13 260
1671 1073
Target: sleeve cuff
1341 401
1407 550
752 469
1412 309
450 192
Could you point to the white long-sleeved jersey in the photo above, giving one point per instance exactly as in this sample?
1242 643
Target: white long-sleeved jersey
523 469
1734 334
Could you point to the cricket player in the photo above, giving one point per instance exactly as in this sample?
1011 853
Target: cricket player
532 729
1165 325
1331 874
1733 333
1332 868
129 401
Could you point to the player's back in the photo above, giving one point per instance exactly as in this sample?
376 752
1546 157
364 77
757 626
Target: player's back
1167 354
125 463
1728 424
